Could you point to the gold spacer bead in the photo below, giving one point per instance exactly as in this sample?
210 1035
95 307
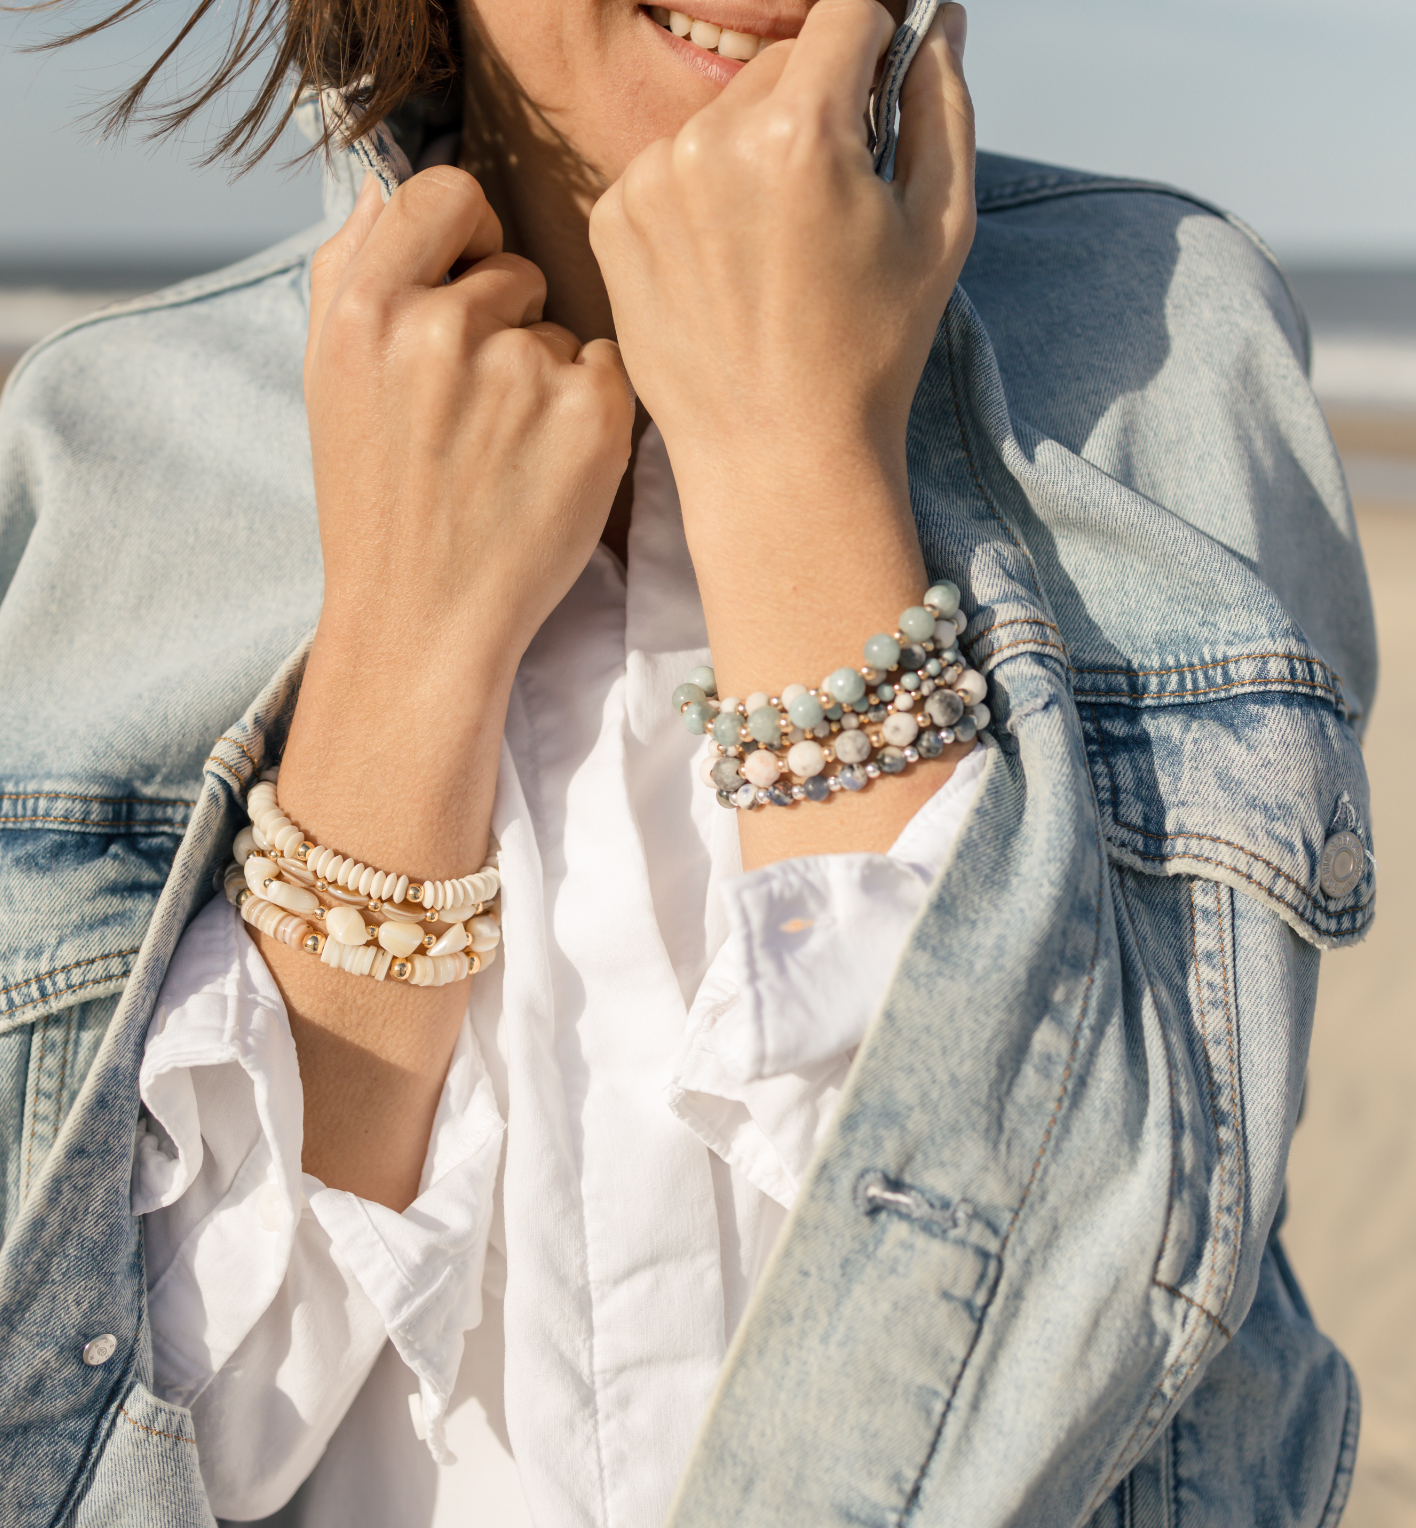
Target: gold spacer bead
319 913
321 885
415 893
375 906
314 944
303 850
401 970
244 896
474 962
432 916
373 929
429 940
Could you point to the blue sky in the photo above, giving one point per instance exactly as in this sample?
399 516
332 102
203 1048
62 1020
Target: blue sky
1298 114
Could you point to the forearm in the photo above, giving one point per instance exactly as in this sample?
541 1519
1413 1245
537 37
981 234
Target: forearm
399 769
798 564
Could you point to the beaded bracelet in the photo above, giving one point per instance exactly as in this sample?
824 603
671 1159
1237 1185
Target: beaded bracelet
274 830
773 750
278 891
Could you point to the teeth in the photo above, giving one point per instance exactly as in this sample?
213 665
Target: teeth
708 35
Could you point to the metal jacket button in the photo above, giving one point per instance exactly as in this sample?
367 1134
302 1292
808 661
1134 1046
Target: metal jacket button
100 1349
1340 867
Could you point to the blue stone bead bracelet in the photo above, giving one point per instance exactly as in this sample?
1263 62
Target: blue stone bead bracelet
913 694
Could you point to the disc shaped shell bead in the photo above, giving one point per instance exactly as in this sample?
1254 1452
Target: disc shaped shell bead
346 924
973 687
806 759
852 747
900 730
726 726
763 725
944 597
845 684
294 899
805 710
401 938
882 651
760 768
917 623
259 870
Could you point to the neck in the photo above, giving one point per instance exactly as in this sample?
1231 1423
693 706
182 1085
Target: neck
540 188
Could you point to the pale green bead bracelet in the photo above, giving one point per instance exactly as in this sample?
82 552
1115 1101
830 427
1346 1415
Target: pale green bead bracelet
911 697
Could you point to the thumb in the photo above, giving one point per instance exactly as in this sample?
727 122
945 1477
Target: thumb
334 257
603 356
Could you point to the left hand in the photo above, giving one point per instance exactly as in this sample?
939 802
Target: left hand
773 298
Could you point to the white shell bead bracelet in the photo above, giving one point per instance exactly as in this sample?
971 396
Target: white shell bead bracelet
272 829
913 695
357 919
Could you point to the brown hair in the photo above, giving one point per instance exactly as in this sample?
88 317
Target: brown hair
378 51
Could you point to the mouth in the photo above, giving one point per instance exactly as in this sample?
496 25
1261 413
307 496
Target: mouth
710 36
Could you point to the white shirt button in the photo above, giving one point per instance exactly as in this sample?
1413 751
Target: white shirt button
99 1350
270 1207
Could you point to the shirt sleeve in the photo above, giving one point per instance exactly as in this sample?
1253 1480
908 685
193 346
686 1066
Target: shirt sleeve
270 1295
811 945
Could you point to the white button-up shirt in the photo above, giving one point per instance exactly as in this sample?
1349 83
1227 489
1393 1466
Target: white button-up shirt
634 1098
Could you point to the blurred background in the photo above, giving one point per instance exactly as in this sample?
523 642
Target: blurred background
1296 114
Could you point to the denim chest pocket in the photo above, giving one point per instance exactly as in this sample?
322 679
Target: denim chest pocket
148 1470
80 874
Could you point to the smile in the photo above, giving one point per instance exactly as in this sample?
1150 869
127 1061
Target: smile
707 35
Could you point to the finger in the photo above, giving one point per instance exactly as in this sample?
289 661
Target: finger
333 257
603 356
560 340
834 59
509 288
431 221
935 159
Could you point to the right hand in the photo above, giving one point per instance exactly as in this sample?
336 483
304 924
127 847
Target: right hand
466 454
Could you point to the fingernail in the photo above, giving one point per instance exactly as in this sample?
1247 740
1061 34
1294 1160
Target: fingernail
956 29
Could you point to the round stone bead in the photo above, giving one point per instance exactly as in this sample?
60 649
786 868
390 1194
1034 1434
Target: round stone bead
885 694
791 692
917 623
882 651
905 701
817 787
724 798
930 745
704 678
763 724
834 713
853 777
900 730
892 761
964 730
934 668
944 597
806 759
689 694
804 709
745 796
760 768
913 657
852 747
849 722
981 716
944 708
726 726
726 775
755 701
779 796
845 684
909 681
876 714
973 687
697 717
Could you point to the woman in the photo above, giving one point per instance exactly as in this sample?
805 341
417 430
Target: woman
1016 1032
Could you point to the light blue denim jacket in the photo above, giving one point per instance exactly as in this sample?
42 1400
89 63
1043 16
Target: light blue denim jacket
1033 1278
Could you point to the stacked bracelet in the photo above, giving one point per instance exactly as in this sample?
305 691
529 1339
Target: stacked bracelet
357 919
912 696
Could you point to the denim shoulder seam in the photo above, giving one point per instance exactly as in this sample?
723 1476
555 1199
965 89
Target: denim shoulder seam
289 256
